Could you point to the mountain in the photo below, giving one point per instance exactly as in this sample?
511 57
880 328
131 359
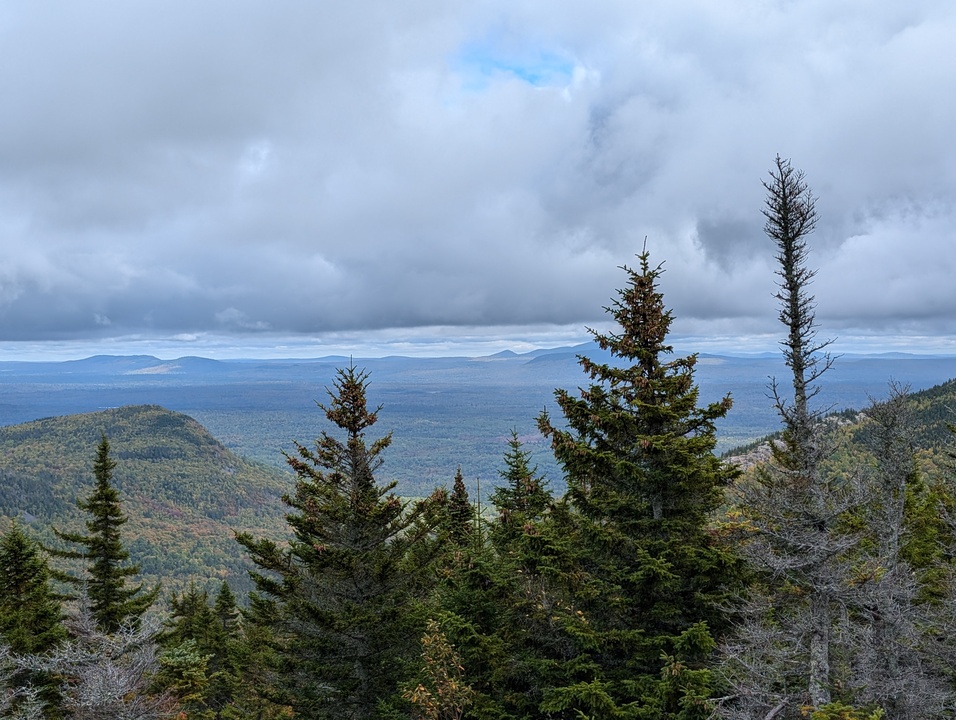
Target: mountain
932 418
934 413
444 412
183 492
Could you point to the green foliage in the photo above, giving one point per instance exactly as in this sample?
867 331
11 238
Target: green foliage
522 498
31 619
839 711
503 600
341 596
643 483
112 603
183 671
461 514
227 681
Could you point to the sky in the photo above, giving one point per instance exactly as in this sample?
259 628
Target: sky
246 179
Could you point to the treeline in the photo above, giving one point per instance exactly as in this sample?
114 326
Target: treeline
663 584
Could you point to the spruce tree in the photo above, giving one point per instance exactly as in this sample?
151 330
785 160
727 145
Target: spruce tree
31 618
637 453
461 515
190 618
341 597
523 497
207 631
112 602
502 601
224 664
465 609
545 635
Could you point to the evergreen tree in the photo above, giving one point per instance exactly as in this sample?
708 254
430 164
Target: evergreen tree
31 619
225 610
642 484
461 515
464 606
524 497
112 603
501 601
224 663
190 618
202 657
341 597
548 639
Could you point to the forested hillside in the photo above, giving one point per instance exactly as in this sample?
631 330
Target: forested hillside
185 493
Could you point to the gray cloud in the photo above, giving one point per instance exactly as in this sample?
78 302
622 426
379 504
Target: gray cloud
178 169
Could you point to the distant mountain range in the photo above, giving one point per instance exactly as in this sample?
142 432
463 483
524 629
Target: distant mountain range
444 412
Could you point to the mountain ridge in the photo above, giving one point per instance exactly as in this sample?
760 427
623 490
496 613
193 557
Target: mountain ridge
183 491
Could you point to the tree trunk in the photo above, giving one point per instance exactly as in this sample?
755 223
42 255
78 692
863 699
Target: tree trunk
819 685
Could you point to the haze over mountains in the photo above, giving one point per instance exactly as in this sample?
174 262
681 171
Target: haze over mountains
444 412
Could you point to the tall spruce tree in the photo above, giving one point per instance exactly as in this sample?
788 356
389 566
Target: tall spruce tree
112 602
637 454
341 597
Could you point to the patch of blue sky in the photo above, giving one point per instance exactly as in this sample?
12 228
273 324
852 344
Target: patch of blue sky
482 64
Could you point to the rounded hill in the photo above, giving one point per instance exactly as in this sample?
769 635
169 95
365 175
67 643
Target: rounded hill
184 492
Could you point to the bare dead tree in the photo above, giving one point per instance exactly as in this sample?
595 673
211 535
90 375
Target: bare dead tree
836 613
791 531
17 701
107 676
893 663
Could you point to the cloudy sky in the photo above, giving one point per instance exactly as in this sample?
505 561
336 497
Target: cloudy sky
232 178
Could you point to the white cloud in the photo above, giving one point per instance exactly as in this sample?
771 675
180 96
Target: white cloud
182 169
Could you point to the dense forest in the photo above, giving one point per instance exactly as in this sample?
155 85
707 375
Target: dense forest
664 581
